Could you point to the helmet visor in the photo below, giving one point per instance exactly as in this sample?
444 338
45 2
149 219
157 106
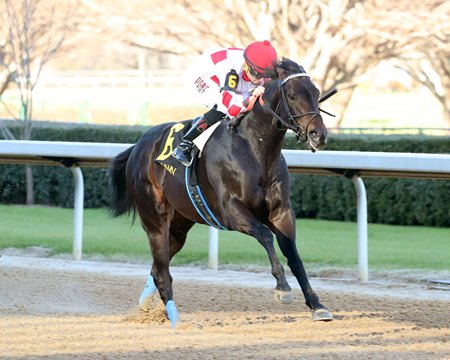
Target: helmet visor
250 70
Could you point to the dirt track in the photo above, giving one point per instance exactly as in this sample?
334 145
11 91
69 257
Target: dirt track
68 312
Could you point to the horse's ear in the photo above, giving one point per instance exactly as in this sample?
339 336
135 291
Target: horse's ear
281 73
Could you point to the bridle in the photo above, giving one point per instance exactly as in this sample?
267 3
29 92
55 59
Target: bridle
291 123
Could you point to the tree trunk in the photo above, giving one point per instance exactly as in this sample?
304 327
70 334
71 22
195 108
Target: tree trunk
29 185
445 101
26 116
446 115
340 103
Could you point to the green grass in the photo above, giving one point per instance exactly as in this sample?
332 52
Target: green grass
321 243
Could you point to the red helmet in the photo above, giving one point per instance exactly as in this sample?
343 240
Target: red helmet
261 56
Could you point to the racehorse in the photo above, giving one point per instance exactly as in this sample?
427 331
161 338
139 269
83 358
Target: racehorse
244 179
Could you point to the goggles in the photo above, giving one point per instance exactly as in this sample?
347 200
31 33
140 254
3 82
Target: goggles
249 70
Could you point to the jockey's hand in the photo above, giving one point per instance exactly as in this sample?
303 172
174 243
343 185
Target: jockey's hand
250 101
258 91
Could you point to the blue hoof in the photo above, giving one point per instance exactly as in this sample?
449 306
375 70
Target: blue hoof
147 293
172 312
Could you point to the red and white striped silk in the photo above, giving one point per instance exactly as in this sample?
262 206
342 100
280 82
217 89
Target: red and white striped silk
208 80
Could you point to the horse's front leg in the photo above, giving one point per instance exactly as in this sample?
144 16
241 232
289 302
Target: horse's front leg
282 223
245 222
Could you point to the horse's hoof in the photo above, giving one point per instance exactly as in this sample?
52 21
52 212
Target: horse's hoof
283 297
145 300
172 313
322 315
147 303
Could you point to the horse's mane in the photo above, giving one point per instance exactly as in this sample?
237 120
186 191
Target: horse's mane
286 64
290 66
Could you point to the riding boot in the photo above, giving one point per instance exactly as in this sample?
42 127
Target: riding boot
183 151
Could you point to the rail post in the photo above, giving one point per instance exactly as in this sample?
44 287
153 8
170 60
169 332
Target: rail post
78 212
361 198
213 253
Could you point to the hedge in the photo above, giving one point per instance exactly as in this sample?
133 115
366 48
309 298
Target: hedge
390 201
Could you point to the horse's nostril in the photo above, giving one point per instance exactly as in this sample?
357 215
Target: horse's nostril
317 134
314 135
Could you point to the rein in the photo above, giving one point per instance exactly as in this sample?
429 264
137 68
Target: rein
291 124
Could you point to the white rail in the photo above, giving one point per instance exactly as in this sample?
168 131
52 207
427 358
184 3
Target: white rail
351 164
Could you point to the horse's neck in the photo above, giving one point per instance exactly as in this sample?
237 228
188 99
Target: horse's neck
263 135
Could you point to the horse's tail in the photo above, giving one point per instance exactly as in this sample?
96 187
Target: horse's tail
121 201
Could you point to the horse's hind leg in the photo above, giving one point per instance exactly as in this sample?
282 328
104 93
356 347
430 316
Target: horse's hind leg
179 228
160 277
156 214
163 251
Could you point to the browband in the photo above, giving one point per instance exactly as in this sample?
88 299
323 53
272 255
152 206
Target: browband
293 76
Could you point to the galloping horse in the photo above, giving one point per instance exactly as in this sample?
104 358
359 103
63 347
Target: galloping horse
244 179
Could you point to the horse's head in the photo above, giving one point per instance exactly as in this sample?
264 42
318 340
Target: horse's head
295 104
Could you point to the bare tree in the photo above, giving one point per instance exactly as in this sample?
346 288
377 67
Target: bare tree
7 75
34 30
7 72
429 63
338 42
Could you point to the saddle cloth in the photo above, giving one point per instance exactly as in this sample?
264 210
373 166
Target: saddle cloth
175 168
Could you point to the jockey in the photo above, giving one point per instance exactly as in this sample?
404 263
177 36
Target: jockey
228 80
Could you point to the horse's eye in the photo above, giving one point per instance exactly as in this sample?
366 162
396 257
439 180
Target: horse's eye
291 96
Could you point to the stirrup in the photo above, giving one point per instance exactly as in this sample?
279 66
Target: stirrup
183 155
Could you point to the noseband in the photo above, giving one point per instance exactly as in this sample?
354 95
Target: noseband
290 123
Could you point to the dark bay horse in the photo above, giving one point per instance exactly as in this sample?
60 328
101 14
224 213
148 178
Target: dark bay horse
244 179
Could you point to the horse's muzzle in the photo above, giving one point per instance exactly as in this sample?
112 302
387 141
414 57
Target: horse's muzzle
317 139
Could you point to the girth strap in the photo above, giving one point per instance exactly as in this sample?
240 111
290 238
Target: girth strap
197 198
